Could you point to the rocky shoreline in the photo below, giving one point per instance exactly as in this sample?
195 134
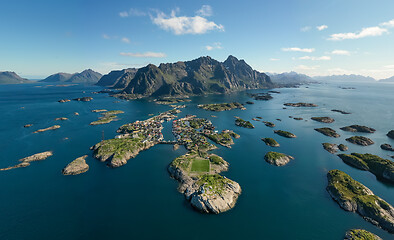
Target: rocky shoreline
277 159
27 160
54 127
208 192
354 197
77 166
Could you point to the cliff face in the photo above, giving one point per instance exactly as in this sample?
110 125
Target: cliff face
199 76
118 78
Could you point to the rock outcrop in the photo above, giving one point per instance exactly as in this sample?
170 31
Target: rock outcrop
387 147
358 128
323 119
54 127
27 160
390 134
300 104
285 134
77 166
360 234
207 192
381 168
270 142
360 140
328 132
277 159
330 147
354 197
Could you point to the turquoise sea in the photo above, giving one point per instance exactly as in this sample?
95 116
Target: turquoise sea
140 200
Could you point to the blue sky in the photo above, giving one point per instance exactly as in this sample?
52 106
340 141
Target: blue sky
316 37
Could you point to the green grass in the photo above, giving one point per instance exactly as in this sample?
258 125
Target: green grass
216 183
200 165
361 234
215 159
274 155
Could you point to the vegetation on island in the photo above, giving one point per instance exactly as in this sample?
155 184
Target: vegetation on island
270 142
300 104
218 107
328 132
380 167
360 140
323 119
243 123
358 128
353 196
277 159
285 134
360 234
224 138
107 116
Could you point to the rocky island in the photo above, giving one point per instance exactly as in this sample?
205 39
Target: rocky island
391 134
270 142
360 234
27 160
224 138
285 134
358 128
77 166
340 111
83 99
61 119
343 147
381 168
323 119
269 124
300 104
330 147
360 140
64 100
107 117
54 127
218 107
201 184
354 197
171 100
277 159
387 147
328 132
243 123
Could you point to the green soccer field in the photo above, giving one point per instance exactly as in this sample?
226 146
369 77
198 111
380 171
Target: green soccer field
200 165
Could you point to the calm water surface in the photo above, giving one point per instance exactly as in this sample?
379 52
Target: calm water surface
140 200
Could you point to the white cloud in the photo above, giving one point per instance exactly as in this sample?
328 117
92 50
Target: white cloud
144 55
216 45
297 49
205 11
389 66
340 52
305 29
125 40
274 59
105 36
365 32
304 67
321 27
388 24
315 58
132 12
185 25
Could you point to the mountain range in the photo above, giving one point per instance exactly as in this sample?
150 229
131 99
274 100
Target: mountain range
87 76
290 78
390 79
344 78
12 78
196 77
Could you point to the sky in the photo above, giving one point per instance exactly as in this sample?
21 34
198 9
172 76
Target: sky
314 37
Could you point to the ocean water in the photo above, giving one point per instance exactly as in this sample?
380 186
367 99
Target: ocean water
140 200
